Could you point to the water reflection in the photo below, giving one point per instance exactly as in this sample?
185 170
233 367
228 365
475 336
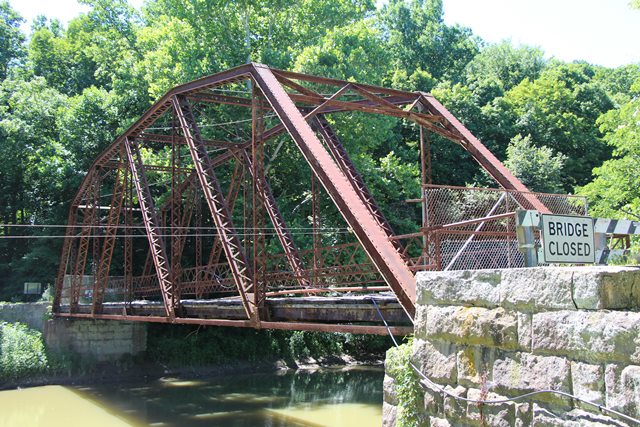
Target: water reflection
327 397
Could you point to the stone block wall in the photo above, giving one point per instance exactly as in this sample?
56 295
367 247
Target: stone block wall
32 314
96 340
500 333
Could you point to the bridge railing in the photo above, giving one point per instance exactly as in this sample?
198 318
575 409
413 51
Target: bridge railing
463 228
475 228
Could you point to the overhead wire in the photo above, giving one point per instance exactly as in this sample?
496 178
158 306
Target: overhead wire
213 125
142 227
145 236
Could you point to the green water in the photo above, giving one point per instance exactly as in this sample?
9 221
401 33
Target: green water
327 397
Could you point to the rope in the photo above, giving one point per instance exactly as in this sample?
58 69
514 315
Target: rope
499 401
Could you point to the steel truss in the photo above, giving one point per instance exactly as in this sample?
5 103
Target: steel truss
189 182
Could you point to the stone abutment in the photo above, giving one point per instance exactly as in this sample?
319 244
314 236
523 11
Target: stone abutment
495 334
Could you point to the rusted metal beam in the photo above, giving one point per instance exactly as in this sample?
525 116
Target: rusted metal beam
232 196
231 245
329 290
128 240
345 163
373 238
150 219
109 242
174 139
280 226
482 155
316 327
215 98
89 220
339 83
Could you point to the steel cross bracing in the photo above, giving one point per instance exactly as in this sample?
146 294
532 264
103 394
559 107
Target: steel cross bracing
217 204
194 230
109 241
150 220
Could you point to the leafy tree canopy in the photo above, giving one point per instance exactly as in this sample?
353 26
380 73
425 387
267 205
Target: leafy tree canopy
67 91
11 38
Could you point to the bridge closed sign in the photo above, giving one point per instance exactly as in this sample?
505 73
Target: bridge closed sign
568 239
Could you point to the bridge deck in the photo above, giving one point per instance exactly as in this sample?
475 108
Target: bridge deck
347 313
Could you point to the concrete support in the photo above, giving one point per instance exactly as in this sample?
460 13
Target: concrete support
96 340
494 334
32 314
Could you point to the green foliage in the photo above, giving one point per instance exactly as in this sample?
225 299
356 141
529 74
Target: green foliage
66 92
11 38
88 124
200 346
407 386
62 57
349 53
537 167
358 345
615 191
417 38
618 82
500 67
22 352
272 32
559 110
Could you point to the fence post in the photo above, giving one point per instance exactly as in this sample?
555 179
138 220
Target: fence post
526 221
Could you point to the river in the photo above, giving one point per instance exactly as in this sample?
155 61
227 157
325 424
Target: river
311 398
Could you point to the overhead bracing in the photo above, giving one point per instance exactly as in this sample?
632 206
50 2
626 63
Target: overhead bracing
208 169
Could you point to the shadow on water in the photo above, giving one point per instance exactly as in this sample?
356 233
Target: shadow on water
326 397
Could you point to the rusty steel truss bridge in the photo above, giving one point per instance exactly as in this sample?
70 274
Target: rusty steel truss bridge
176 221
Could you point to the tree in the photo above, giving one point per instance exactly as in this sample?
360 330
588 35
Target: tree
63 57
273 32
36 176
500 67
87 125
615 191
559 110
537 167
31 152
357 53
350 53
617 82
418 38
170 55
11 38
452 164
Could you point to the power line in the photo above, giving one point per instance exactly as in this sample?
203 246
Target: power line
77 236
212 125
142 227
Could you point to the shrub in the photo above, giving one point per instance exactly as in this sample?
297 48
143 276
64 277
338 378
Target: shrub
407 386
297 347
22 352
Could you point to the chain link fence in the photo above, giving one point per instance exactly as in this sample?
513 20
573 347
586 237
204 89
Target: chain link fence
474 228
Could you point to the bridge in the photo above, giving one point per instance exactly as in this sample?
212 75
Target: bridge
177 220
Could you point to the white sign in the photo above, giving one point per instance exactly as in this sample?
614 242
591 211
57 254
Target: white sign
32 288
568 239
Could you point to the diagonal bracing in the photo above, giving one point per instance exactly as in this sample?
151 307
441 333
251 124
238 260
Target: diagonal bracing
217 204
150 219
